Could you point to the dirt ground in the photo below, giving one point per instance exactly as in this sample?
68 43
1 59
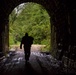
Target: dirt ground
33 47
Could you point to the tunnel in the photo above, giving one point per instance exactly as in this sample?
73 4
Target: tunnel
63 30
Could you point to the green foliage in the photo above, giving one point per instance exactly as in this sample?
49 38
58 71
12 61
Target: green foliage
32 18
11 41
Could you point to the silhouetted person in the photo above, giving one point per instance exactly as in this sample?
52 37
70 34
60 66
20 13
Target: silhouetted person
27 41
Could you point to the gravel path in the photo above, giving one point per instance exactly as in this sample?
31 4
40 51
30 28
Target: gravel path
33 47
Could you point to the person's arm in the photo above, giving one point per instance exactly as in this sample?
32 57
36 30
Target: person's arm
21 45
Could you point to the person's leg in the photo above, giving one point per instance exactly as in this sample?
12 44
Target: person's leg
25 51
25 55
29 53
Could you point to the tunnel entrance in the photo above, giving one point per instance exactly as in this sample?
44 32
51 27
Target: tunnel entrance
33 19
62 28
54 19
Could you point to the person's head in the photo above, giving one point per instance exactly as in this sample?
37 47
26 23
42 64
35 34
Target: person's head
26 34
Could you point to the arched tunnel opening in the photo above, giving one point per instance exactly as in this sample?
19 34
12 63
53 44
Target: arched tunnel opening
63 52
33 19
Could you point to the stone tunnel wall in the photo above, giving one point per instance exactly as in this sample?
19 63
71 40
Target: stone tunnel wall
63 25
57 11
49 6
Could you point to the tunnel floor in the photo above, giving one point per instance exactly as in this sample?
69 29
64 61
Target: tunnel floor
39 64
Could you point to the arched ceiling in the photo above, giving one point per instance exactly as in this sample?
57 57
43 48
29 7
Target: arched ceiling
56 9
